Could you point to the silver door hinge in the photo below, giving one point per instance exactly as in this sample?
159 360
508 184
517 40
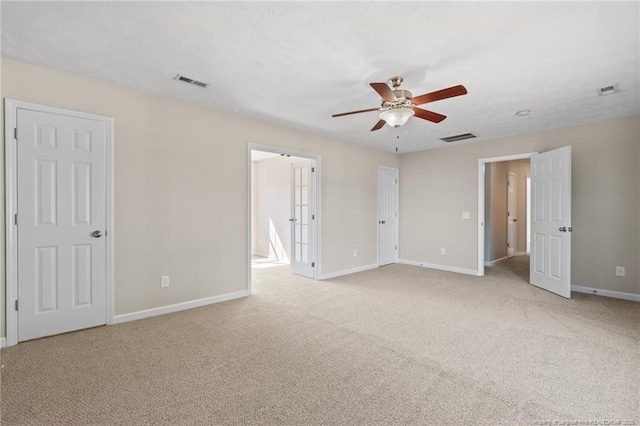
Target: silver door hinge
396 247
15 133
313 264
313 169
15 219
313 216
396 181
16 304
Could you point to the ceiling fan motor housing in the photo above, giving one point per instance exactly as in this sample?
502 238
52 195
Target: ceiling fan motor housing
403 100
402 94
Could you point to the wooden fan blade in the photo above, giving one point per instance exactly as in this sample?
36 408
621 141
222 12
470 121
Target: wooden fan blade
384 91
355 112
429 115
439 95
378 125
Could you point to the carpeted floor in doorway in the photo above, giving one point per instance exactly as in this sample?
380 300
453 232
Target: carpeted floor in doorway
394 345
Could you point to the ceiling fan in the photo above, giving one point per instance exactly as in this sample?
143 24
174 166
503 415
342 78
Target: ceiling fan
398 105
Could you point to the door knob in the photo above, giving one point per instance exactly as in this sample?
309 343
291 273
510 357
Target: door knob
563 229
96 234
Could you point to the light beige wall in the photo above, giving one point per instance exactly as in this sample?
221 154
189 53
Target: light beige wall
437 185
181 187
487 211
254 223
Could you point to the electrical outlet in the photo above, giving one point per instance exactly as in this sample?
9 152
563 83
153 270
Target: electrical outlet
620 271
355 252
443 251
164 281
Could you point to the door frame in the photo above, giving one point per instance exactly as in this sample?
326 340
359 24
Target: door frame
11 107
481 177
397 208
316 185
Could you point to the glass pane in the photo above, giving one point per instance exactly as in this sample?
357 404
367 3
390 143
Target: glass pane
304 218
296 176
296 195
297 212
296 235
305 175
297 253
305 253
305 234
305 195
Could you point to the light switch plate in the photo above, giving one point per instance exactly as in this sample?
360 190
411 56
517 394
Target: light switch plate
466 215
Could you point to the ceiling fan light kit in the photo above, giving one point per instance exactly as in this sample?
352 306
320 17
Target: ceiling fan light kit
396 117
399 105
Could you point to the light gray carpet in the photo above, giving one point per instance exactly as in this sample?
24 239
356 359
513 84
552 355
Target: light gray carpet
395 345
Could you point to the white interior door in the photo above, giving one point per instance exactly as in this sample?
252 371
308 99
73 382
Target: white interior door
387 216
550 266
302 217
61 174
512 215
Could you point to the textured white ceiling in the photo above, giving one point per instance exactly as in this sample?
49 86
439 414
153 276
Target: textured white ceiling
296 63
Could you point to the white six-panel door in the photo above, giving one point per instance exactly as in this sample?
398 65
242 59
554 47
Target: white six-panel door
387 215
550 266
61 183
302 217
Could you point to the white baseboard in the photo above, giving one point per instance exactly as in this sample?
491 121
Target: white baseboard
440 267
347 271
493 262
606 293
178 307
3 342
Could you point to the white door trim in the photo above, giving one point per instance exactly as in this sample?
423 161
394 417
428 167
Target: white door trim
316 178
11 207
397 208
481 163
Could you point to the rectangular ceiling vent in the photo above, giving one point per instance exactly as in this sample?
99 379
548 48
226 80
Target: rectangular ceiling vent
460 137
608 90
190 81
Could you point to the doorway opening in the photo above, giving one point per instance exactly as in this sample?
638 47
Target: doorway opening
550 221
283 225
502 209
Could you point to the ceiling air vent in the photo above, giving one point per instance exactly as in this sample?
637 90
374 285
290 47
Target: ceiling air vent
608 90
190 81
460 137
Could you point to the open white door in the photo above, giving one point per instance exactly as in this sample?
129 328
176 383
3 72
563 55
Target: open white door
387 215
550 266
302 216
